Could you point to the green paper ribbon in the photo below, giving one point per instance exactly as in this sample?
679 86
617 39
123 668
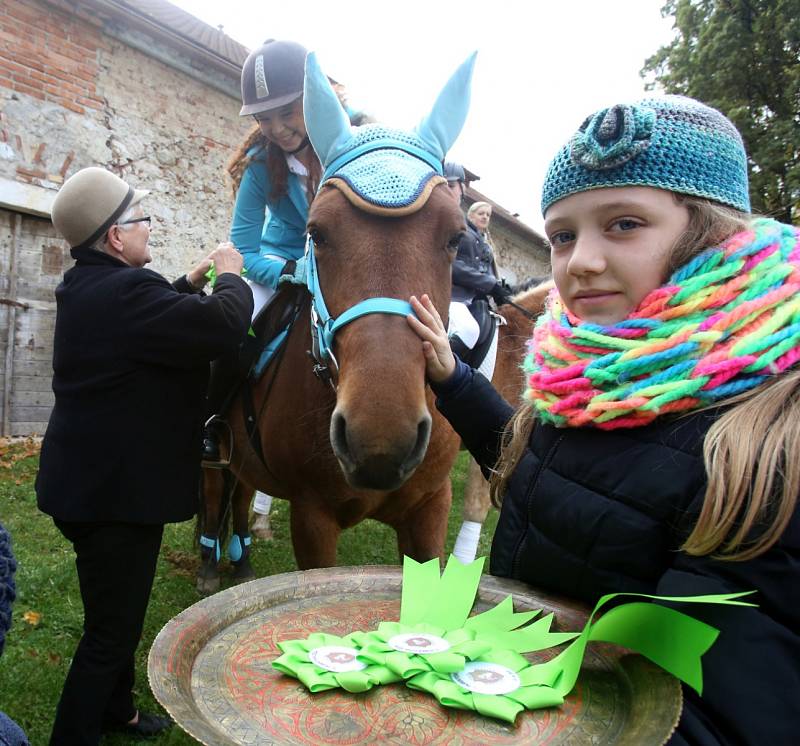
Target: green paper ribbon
674 641
211 276
442 601
376 650
669 638
501 706
296 661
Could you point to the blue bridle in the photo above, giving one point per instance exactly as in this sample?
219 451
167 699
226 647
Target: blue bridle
323 325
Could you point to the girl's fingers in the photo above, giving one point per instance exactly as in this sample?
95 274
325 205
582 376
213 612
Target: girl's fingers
427 312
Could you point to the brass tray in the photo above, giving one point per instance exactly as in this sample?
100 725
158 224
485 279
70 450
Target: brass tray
210 669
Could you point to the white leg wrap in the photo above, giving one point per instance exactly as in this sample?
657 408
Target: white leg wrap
262 503
467 541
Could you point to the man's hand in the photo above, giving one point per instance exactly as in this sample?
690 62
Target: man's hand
227 259
439 360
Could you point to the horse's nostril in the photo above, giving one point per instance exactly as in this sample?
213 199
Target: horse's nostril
423 436
339 438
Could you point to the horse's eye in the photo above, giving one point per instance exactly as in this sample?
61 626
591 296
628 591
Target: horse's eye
452 244
316 236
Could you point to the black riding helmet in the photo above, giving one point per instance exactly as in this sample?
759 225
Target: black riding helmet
454 171
272 75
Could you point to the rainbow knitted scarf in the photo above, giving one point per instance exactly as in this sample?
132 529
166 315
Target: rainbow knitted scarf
722 324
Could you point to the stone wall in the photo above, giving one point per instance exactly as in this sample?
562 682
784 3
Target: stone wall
518 256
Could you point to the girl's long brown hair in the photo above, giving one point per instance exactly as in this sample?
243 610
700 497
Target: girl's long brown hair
751 452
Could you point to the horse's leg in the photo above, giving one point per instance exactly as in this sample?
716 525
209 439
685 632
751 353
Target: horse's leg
315 534
239 545
421 534
260 527
212 487
476 508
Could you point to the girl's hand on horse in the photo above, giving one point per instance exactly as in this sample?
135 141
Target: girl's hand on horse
439 360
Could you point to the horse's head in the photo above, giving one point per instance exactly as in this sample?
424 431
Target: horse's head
382 228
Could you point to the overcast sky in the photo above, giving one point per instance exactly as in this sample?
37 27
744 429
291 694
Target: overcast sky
542 66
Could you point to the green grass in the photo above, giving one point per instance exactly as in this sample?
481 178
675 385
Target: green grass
37 654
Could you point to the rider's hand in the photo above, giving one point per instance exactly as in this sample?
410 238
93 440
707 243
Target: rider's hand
501 293
439 360
227 259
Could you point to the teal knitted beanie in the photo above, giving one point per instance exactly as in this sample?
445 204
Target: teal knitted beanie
673 143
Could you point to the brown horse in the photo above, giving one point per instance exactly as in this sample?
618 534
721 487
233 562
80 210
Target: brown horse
375 446
508 378
370 445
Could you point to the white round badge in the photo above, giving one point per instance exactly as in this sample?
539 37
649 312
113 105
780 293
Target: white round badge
487 678
418 643
336 658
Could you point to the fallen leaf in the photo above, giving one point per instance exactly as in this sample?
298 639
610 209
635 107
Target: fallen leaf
32 617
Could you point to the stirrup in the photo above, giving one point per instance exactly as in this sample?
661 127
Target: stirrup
219 462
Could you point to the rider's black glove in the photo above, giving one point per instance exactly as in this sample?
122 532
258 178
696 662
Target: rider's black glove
501 293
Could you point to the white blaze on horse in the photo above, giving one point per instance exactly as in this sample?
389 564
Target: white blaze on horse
355 434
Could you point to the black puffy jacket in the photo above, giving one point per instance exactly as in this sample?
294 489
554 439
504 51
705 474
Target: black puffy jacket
590 512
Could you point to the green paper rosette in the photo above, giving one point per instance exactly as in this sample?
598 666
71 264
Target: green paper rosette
323 662
410 650
496 685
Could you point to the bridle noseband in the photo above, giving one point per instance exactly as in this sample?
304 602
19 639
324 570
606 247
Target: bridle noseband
324 326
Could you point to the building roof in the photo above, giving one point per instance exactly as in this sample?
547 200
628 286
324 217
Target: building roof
229 54
163 16
186 25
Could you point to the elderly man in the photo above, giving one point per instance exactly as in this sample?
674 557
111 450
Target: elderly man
120 457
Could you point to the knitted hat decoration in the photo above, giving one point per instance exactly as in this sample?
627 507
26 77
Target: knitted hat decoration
673 143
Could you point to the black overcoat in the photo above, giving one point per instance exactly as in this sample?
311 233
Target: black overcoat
131 357
590 512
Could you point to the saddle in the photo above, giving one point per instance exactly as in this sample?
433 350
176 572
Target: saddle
487 323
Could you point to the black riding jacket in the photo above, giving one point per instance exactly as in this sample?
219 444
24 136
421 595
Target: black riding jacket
590 512
474 267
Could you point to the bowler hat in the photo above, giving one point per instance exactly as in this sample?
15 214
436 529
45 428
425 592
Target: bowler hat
89 203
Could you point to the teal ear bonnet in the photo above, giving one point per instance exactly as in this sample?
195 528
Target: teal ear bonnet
378 166
673 143
388 176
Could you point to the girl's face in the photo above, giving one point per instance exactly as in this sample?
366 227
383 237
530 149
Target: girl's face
611 246
481 218
284 126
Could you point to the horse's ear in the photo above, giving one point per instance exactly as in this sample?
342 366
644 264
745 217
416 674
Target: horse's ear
327 123
442 126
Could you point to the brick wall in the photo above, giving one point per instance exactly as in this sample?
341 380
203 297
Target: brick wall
50 55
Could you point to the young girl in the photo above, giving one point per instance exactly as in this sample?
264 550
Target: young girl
658 450
275 174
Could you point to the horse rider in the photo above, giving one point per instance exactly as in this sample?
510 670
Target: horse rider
475 275
275 174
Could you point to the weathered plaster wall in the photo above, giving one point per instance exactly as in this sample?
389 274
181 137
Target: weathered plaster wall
72 95
524 258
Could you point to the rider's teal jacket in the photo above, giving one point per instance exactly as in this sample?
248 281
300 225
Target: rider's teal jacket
262 226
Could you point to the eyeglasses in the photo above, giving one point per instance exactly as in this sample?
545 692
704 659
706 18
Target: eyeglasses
145 219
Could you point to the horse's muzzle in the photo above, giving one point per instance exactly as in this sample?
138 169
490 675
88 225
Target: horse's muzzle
378 463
